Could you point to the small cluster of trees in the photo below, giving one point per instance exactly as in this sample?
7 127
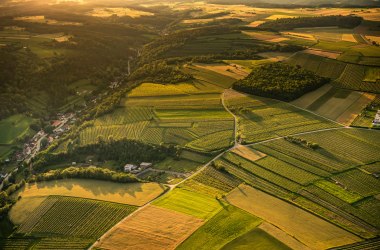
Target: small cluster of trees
280 81
159 71
302 142
306 22
5 201
85 173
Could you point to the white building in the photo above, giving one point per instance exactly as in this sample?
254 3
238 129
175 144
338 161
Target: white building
376 121
145 165
129 168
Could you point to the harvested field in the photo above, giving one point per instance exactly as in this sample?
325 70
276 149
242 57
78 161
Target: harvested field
348 38
327 54
224 69
307 228
256 23
150 228
132 193
299 35
248 153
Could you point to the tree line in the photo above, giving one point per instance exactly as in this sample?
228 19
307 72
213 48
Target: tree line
309 22
280 81
84 173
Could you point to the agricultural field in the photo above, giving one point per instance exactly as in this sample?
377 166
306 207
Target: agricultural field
307 228
320 65
340 105
180 115
73 217
17 127
261 118
136 194
191 203
150 227
236 171
211 182
368 114
225 226
256 239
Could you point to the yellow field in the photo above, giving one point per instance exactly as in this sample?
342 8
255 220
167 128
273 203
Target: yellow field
107 12
373 38
24 208
131 193
255 23
309 229
150 228
348 38
275 17
248 153
223 69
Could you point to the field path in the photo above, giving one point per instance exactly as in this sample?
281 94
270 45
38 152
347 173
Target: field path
236 143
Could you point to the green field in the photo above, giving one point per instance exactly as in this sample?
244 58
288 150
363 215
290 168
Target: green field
180 115
225 226
261 118
256 239
353 77
322 66
191 203
73 217
15 126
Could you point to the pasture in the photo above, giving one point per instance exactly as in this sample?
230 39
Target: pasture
307 228
261 118
339 105
195 204
225 226
16 126
150 228
73 217
136 194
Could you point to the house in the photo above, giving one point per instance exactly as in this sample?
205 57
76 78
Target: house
129 168
145 165
376 121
